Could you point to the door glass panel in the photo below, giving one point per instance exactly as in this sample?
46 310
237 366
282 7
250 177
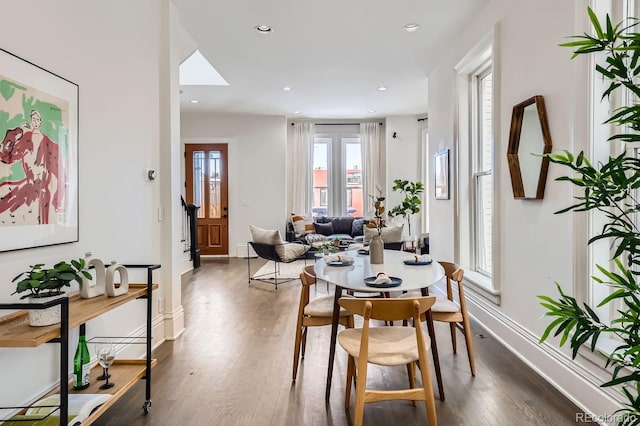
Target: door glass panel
215 172
198 181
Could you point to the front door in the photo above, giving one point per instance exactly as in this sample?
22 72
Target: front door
207 181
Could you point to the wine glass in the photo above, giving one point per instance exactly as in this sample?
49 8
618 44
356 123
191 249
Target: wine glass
97 347
106 356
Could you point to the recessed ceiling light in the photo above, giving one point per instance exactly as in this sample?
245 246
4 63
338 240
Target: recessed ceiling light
297 112
411 27
194 101
371 111
382 89
286 89
263 29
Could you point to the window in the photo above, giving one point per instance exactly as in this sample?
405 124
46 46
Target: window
337 173
482 173
475 191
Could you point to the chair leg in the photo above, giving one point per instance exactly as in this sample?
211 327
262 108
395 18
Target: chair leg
411 372
304 340
454 342
469 343
275 273
296 351
429 397
351 368
361 384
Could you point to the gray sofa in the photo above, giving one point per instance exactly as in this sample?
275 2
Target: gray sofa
331 227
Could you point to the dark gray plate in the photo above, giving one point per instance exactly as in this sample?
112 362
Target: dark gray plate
420 262
395 282
339 263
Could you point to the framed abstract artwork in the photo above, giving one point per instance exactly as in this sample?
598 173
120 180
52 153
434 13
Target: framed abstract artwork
38 156
442 175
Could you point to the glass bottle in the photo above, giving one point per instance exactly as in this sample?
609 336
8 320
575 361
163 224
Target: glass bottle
81 366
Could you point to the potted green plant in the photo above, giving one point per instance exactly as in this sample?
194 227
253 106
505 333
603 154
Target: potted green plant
43 284
609 188
411 203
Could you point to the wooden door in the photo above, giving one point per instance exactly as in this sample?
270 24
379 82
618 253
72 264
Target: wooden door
207 187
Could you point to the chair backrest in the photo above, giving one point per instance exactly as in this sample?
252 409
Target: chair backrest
308 276
388 309
454 273
266 251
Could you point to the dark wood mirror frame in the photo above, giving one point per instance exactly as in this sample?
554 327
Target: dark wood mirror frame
513 157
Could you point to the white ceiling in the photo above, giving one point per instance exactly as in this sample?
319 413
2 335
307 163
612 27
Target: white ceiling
334 54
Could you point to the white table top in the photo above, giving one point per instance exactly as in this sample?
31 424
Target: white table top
414 277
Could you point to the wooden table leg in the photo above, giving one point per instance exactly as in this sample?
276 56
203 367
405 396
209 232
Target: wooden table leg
434 347
334 334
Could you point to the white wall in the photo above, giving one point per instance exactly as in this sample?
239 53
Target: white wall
534 247
114 58
257 167
403 161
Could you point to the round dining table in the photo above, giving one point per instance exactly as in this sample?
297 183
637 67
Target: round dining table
352 277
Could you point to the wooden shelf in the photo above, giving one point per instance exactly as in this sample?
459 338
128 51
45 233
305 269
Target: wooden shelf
15 331
124 374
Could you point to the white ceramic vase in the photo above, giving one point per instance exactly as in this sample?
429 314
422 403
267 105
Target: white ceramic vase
376 250
88 290
114 288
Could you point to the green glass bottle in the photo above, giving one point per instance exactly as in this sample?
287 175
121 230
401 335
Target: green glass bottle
81 366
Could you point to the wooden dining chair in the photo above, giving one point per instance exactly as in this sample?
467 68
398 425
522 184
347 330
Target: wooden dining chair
447 310
312 313
387 346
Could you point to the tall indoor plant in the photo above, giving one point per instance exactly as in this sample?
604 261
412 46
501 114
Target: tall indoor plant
610 188
411 202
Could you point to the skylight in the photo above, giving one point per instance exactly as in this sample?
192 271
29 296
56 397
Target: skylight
197 71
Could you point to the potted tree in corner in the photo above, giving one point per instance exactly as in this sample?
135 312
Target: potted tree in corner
411 203
44 284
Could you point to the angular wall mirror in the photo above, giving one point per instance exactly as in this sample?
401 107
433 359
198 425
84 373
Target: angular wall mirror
529 137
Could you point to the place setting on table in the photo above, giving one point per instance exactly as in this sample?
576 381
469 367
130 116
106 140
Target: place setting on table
402 271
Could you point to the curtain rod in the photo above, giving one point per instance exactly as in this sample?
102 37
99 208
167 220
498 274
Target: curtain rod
337 124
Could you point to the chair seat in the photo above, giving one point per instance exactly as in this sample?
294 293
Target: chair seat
323 307
387 345
442 303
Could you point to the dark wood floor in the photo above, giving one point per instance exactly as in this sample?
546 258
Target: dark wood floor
232 366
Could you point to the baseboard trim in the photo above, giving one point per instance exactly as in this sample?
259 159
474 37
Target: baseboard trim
174 323
579 384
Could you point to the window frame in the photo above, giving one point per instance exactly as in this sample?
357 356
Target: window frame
337 176
483 56
478 171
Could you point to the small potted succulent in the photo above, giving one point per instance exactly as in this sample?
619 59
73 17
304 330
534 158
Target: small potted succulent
43 284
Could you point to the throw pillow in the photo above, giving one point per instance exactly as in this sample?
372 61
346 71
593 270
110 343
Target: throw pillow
324 228
358 227
302 225
291 251
265 236
390 234
313 238
342 224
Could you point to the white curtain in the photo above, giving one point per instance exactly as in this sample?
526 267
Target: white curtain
374 161
302 157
